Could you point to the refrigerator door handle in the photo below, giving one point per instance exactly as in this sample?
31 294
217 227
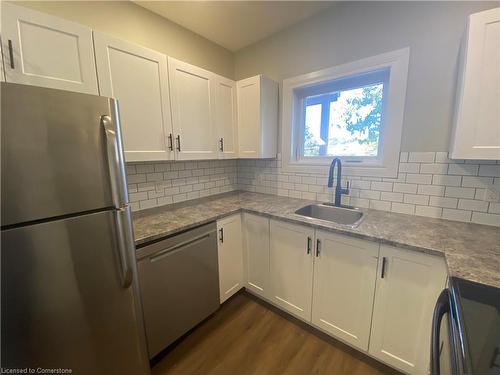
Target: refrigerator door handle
126 245
115 159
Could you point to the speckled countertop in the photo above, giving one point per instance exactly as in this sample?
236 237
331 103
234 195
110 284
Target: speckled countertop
472 251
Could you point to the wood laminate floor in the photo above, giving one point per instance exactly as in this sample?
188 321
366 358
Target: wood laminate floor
247 336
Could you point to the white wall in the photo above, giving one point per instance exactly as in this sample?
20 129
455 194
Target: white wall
353 30
126 20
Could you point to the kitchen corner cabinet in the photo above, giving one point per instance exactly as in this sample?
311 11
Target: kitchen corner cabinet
226 118
230 255
47 51
408 286
345 271
192 93
291 267
476 133
256 252
137 77
257 117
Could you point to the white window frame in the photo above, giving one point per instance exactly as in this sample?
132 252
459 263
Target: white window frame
387 161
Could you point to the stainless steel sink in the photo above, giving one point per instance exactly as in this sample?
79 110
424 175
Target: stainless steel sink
348 216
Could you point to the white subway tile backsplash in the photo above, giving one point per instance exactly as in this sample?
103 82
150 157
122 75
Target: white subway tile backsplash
489 170
428 211
473 205
446 180
458 215
459 192
443 202
434 168
463 169
431 190
409 167
488 219
403 208
405 188
421 157
391 197
428 184
477 182
416 199
425 179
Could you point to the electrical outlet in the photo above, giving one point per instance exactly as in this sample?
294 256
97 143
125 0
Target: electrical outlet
491 195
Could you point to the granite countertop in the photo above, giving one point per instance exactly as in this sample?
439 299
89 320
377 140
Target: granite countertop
472 251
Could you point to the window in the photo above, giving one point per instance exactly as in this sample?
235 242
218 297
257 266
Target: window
353 111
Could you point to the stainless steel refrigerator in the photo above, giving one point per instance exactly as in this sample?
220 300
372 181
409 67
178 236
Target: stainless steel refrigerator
69 292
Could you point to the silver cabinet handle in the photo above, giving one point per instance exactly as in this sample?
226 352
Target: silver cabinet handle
11 54
178 142
384 265
309 240
221 235
221 142
170 142
126 245
115 159
318 248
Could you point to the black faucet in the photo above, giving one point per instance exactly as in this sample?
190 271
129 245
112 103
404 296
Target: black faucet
338 189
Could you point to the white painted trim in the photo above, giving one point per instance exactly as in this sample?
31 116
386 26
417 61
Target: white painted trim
387 164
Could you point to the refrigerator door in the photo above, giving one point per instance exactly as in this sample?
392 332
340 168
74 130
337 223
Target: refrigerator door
64 303
61 154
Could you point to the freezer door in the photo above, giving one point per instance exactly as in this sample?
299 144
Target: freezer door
61 153
63 299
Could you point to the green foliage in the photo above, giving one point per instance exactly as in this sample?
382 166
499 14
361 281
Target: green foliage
369 123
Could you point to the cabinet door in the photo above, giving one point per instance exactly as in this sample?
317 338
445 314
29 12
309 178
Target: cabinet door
2 71
345 270
226 120
192 93
43 50
477 130
291 267
137 77
408 286
230 248
249 117
256 241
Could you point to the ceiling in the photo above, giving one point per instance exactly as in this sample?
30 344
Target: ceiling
235 24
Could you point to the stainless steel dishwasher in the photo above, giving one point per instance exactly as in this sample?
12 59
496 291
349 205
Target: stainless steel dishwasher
179 283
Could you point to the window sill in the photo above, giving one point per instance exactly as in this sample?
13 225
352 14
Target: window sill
364 169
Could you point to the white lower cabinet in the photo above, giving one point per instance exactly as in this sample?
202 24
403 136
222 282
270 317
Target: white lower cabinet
345 270
408 286
230 254
377 298
256 248
291 267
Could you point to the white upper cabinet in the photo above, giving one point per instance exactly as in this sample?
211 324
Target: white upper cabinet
345 270
137 77
230 253
476 133
256 249
291 267
408 286
2 72
192 93
226 117
43 50
257 117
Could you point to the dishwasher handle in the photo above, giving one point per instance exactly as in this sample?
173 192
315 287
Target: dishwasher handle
160 254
